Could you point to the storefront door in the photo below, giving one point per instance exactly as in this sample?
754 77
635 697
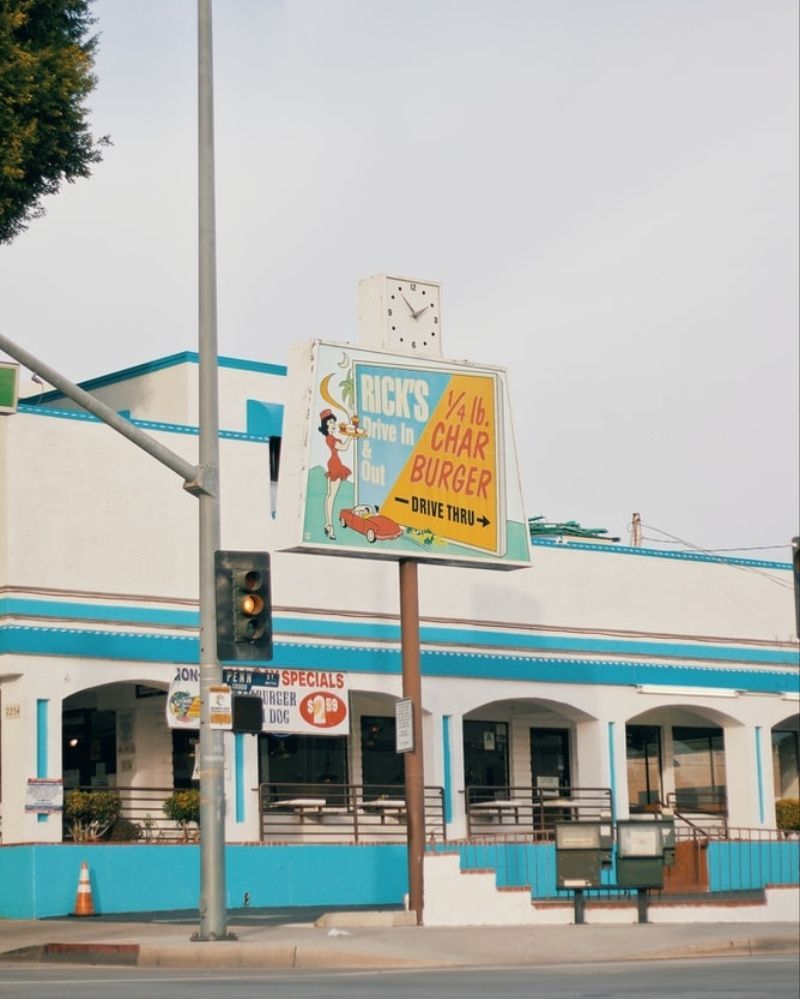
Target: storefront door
550 764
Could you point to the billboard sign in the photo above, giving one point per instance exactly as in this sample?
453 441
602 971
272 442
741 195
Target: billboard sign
298 701
398 456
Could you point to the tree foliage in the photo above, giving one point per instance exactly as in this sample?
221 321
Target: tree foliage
46 63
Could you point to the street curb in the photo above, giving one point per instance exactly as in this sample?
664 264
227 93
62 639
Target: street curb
743 947
223 954
361 920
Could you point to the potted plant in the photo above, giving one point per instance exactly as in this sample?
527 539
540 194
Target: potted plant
183 807
90 814
787 814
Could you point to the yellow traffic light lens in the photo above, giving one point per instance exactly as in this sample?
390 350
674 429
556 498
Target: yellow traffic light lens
251 605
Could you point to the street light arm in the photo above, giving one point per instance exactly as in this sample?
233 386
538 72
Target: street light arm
197 480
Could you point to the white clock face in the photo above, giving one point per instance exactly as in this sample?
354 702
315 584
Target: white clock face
412 313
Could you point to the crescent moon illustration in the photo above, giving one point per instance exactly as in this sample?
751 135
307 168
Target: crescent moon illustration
326 395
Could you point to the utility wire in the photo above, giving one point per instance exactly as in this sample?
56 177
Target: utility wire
705 551
744 548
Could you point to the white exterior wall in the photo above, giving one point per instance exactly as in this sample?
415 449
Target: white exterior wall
94 531
170 394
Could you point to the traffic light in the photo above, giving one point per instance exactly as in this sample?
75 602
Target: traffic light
244 606
248 713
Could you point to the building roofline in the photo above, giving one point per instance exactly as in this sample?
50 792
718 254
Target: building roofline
170 361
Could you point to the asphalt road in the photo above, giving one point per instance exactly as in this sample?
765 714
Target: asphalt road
734 978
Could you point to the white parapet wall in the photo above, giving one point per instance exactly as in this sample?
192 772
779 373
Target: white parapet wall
471 898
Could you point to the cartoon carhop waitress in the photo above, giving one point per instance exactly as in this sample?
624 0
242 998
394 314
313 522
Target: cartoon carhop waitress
337 470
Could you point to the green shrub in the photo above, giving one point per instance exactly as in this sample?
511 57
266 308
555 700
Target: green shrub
90 814
787 813
183 807
124 831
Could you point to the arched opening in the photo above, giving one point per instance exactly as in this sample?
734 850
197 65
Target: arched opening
528 763
676 756
115 735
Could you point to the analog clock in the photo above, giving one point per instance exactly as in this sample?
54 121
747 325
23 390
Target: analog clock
412 320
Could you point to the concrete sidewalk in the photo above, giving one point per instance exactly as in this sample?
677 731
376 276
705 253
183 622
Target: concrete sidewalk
345 941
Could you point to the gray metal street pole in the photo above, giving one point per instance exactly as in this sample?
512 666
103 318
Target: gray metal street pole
213 915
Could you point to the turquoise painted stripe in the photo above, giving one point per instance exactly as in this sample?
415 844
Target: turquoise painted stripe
759 776
171 361
612 762
239 796
41 747
681 556
41 738
185 649
446 766
122 614
390 631
167 428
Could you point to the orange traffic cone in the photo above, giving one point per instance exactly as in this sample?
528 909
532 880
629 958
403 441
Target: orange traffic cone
84 906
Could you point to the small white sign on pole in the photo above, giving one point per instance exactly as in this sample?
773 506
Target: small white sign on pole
404 725
220 711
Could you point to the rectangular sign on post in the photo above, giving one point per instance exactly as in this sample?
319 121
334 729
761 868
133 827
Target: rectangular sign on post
220 710
404 725
401 456
295 700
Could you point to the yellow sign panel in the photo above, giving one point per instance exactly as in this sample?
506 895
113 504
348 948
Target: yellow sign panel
450 482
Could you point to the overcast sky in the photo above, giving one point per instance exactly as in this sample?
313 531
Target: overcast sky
607 191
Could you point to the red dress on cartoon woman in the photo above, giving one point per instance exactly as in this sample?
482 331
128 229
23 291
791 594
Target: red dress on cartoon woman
336 467
337 470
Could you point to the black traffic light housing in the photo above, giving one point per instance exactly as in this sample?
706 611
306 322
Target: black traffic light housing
244 606
248 713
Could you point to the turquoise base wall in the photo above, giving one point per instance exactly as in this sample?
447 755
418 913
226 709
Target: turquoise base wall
732 865
40 881
735 866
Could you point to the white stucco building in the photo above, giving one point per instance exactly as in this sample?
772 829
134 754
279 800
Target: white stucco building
651 674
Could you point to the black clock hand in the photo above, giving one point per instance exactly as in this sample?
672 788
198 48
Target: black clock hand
410 306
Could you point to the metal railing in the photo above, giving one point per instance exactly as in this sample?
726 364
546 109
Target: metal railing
509 812
702 814
355 813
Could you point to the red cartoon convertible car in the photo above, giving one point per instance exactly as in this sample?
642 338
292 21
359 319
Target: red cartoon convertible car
367 521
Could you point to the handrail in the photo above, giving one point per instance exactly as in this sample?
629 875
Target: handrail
713 804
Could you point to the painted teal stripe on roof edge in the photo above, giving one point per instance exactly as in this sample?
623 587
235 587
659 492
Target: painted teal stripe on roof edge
170 361
115 613
169 428
435 663
242 365
659 553
382 631
124 374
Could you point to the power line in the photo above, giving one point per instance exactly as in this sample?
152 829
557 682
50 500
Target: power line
707 551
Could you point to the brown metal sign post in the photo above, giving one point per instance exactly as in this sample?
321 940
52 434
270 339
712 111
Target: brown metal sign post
412 689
